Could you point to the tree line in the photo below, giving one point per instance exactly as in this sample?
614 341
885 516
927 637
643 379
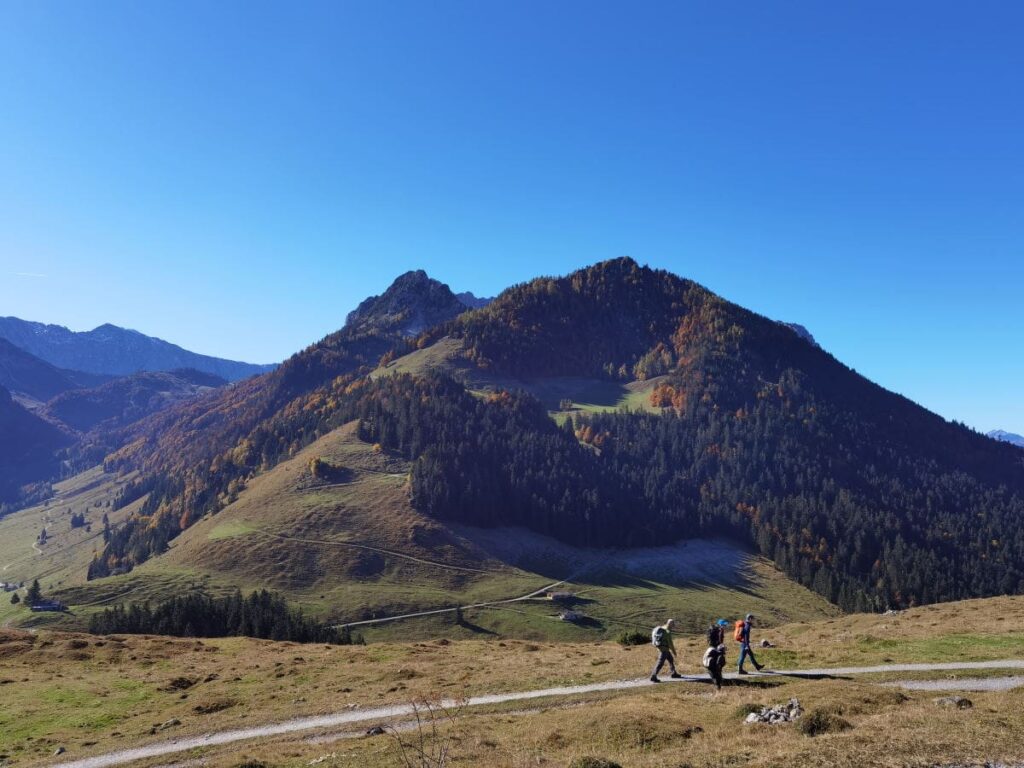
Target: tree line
262 614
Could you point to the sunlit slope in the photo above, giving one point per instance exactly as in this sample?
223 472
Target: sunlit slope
558 393
61 561
352 549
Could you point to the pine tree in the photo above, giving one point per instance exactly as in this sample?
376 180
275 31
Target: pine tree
34 594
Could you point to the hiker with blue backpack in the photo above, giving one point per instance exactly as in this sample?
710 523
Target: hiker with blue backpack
742 636
661 638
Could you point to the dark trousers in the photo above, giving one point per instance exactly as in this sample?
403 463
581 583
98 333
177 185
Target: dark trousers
715 670
745 651
664 656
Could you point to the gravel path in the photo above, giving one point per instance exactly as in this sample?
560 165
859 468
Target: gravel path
403 710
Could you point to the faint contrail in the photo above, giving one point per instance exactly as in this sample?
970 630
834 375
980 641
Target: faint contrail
28 274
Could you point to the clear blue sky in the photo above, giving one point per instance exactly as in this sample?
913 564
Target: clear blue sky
235 177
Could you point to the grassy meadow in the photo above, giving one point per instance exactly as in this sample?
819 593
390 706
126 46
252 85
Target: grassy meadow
96 694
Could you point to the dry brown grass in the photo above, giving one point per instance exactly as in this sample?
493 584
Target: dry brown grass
99 694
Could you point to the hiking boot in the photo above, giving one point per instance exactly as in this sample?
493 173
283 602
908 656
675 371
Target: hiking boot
759 667
676 675
742 672
654 679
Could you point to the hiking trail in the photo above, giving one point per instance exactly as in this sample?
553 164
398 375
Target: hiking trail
297 725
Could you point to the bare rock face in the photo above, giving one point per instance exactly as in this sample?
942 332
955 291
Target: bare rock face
413 303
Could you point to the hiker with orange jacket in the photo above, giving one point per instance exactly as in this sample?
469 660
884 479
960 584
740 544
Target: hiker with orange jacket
742 636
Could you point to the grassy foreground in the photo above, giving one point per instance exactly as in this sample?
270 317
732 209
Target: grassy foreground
98 694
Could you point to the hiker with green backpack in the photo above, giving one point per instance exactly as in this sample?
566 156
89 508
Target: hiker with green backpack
661 638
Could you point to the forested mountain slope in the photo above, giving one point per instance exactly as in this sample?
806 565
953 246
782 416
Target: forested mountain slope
757 433
197 456
27 448
128 399
31 377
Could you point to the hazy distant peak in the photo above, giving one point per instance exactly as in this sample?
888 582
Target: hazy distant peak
1007 437
472 301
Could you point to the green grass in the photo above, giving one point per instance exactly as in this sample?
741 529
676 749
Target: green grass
62 561
231 529
71 705
290 534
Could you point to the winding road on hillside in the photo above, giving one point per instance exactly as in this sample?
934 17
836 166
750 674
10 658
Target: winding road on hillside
378 550
490 604
383 714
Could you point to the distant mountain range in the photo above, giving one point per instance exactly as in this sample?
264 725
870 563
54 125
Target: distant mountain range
113 351
471 301
1007 437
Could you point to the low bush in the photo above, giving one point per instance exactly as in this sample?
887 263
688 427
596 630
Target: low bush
820 722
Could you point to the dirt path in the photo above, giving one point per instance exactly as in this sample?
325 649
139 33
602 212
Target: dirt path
403 710
436 611
378 550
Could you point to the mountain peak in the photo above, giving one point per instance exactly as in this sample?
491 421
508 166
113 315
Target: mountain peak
411 304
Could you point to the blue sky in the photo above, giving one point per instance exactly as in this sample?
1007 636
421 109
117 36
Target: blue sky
235 177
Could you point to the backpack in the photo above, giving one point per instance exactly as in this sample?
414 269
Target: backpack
710 656
715 635
658 636
738 633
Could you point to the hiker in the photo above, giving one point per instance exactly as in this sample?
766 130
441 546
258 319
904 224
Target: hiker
742 636
716 633
661 638
714 663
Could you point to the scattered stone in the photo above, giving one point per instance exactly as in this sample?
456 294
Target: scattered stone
783 713
959 702
375 731
765 643
169 724
59 751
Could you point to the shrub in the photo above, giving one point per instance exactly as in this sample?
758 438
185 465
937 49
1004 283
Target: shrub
633 637
593 762
819 722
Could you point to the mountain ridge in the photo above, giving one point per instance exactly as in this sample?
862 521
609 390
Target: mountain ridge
750 431
111 350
